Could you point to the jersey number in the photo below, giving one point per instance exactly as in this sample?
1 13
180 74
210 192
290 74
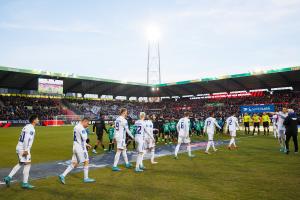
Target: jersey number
138 130
117 126
182 125
75 139
208 123
230 122
22 137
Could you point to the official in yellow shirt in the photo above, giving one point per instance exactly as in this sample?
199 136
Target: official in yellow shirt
246 120
256 122
266 123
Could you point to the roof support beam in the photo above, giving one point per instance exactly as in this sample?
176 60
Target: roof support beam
31 80
243 87
74 86
263 83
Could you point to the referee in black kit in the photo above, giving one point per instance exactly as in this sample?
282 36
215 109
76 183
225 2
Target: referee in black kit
99 125
291 123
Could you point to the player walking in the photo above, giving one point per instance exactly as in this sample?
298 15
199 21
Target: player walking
232 124
183 129
80 152
99 127
121 127
209 128
141 131
23 152
149 142
274 122
281 128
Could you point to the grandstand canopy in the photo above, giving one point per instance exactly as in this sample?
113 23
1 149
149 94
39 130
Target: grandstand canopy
23 79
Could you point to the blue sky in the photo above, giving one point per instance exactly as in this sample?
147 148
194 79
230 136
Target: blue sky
106 39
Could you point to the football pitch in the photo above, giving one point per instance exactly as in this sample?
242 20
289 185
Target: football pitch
256 171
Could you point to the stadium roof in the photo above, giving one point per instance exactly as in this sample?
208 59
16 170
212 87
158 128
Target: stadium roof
23 79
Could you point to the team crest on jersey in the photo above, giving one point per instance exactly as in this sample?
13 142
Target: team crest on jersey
31 132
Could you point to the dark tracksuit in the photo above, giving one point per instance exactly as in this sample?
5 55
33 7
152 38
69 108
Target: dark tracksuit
291 123
99 126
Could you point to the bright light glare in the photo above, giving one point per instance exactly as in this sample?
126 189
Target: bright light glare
153 32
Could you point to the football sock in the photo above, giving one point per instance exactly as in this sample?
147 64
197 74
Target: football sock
26 173
69 168
86 172
208 146
124 153
177 149
189 150
117 157
152 155
14 170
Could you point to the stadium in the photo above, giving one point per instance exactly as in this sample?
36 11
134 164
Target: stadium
227 136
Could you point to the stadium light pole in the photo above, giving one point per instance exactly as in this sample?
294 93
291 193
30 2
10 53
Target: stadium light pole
153 62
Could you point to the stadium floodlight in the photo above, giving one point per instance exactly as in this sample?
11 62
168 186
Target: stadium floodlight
153 89
152 32
153 61
157 89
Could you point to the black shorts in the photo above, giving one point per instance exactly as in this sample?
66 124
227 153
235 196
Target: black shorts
256 124
246 124
173 133
99 136
266 124
155 132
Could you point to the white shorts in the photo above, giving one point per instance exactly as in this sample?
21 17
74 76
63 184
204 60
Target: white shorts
281 132
121 144
149 143
210 136
183 139
23 159
140 145
79 155
233 133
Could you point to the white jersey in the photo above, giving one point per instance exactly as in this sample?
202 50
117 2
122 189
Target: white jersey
26 138
80 137
274 120
121 127
183 127
232 123
280 120
141 130
149 128
210 124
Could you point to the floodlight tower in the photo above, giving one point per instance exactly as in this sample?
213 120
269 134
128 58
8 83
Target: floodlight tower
153 63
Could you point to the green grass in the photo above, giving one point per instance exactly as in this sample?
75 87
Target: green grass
256 171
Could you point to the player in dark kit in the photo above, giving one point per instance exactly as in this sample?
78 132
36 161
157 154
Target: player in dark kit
155 127
99 127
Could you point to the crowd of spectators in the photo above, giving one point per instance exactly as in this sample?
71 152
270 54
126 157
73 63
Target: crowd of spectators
20 108
17 107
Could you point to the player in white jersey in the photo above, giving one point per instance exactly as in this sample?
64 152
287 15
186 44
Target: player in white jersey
121 127
209 128
232 124
274 122
281 128
80 151
140 135
150 141
23 152
183 129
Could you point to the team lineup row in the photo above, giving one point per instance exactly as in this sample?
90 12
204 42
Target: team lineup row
144 138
